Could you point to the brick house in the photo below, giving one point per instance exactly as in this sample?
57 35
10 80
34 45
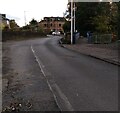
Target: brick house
50 24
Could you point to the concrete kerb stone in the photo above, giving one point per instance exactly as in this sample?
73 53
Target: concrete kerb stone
93 56
106 60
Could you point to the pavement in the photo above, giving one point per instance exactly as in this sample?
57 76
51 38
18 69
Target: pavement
106 52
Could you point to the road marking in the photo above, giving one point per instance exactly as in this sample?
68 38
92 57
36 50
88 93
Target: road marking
54 88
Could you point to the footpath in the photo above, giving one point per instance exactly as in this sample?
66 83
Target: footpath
106 52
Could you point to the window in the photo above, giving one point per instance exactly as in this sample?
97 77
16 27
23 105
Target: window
45 25
59 25
51 25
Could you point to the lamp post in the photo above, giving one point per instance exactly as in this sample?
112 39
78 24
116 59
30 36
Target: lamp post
74 18
25 17
71 21
73 29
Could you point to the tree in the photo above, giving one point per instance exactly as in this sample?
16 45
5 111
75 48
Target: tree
98 17
66 26
106 19
102 23
33 25
33 22
84 16
118 22
27 27
13 25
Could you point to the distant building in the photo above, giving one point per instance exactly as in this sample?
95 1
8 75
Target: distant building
50 24
4 22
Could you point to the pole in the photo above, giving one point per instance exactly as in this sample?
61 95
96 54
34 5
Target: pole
71 21
25 17
74 18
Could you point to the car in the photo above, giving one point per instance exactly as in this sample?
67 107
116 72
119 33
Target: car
53 33
56 33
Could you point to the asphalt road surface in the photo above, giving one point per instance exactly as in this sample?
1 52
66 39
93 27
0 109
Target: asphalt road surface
77 82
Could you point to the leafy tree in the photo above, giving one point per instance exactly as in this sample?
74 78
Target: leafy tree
66 26
33 22
27 27
13 24
84 16
96 16
114 17
101 23
106 19
118 22
33 25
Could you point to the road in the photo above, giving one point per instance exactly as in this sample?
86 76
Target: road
77 82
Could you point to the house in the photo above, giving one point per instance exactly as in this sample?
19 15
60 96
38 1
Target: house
4 22
50 24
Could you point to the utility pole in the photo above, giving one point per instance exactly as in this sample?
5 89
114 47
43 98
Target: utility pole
71 21
25 17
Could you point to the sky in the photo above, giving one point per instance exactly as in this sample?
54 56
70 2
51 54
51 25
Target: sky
29 9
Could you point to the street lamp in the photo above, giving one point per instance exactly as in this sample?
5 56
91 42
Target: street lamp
25 17
73 30
74 18
71 21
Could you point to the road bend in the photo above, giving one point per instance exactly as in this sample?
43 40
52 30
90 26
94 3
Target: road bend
78 82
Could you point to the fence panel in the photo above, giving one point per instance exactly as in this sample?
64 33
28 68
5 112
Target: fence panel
105 38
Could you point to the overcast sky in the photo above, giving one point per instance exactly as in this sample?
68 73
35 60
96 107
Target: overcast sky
37 9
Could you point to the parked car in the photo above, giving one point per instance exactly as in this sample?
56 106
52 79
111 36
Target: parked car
53 33
56 33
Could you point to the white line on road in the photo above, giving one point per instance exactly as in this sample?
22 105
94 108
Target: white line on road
68 106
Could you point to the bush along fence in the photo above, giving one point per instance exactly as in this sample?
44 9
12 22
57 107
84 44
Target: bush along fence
17 35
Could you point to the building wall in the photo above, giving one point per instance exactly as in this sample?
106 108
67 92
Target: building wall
49 24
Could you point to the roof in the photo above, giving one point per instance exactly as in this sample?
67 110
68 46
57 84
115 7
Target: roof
55 18
3 16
